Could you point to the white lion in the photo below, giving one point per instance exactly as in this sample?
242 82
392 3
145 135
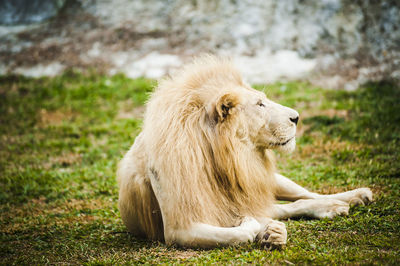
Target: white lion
201 173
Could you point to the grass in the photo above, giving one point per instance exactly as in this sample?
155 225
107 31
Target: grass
62 137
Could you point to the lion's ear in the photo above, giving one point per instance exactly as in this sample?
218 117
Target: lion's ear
225 106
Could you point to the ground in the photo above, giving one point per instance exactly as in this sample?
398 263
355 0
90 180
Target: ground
62 137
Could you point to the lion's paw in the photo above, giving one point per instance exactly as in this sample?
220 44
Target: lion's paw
329 208
360 196
274 236
251 226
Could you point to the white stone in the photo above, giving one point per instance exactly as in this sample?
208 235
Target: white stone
51 70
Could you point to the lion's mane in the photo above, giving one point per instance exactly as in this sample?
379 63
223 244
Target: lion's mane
205 171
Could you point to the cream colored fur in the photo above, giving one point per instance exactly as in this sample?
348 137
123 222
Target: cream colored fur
202 172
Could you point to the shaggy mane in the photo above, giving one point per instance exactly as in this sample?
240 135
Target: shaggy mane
206 171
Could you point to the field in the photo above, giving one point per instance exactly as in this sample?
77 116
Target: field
61 139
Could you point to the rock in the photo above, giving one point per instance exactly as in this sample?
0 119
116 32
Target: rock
28 11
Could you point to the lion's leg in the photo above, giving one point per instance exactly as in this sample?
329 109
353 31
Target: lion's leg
268 232
313 208
139 208
137 203
289 190
201 234
208 236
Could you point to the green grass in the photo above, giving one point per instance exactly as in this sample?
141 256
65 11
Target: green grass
62 137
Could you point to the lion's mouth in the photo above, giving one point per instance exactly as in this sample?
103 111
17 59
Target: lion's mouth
282 143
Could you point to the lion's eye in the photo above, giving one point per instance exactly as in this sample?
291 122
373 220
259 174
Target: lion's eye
260 103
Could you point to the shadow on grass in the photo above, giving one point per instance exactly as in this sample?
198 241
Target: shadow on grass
374 114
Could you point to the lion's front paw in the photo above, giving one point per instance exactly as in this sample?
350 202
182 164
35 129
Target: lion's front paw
328 208
360 196
251 227
274 236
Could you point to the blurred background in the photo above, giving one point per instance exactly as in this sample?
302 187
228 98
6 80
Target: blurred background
330 43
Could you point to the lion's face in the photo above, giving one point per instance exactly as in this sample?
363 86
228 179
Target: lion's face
269 125
266 124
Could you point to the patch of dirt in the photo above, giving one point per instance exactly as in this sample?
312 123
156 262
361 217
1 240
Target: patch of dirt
57 117
134 113
324 148
333 112
185 254
65 160
326 112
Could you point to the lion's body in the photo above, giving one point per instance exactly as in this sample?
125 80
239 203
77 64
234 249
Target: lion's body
205 175
203 161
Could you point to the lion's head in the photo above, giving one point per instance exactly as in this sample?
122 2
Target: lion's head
266 124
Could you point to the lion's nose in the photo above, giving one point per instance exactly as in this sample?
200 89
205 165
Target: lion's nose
295 119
